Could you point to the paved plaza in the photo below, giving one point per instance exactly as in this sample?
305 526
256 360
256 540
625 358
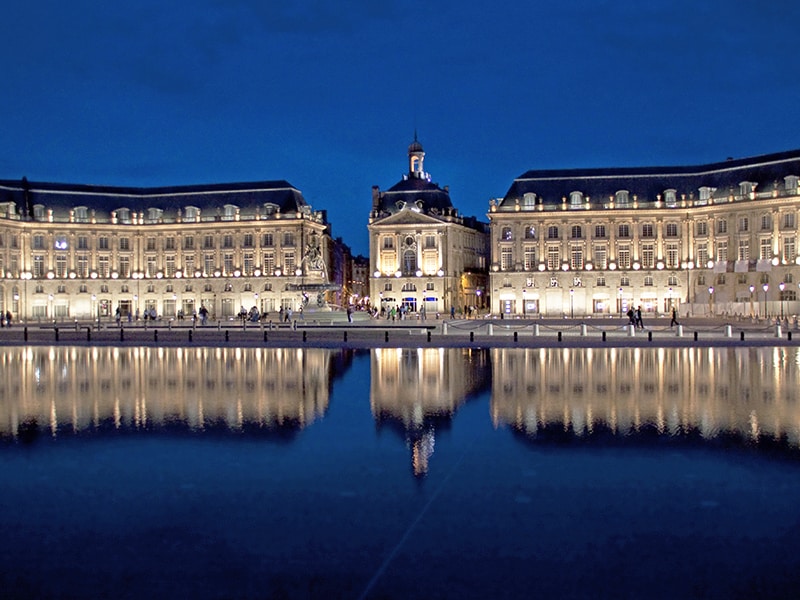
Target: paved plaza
370 333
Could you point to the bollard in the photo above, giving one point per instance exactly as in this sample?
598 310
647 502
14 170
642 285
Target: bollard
265 336
631 331
429 335
559 336
728 332
444 327
56 330
294 325
516 336
227 336
304 335
121 334
778 331
490 329
789 335
604 336
695 336
345 336
583 329
471 336
219 325
386 336
679 333
741 335
155 335
88 334
190 335
536 329
169 325
649 336
25 333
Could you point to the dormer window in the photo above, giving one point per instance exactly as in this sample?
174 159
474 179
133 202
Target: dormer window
746 188
576 198
622 198
271 209
81 214
671 198
191 214
706 194
529 200
229 213
124 215
39 212
790 183
154 215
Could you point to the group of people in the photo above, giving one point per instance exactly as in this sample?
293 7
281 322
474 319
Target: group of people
635 317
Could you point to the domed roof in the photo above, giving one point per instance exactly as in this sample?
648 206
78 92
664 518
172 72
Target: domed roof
415 146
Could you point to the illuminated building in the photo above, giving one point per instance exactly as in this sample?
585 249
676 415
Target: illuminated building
80 251
423 253
705 239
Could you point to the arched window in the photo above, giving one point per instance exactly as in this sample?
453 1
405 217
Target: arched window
506 234
577 232
409 261
191 214
576 198
552 232
530 232
622 198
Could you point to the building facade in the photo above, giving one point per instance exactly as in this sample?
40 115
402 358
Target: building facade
715 239
424 255
82 252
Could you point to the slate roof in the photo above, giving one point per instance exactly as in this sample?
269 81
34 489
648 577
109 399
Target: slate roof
551 186
411 190
62 197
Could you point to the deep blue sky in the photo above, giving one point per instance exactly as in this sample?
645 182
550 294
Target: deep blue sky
327 95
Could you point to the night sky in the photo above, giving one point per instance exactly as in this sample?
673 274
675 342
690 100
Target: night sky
327 95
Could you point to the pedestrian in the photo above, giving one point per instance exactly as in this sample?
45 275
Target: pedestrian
631 317
349 315
674 320
8 318
639 322
452 312
118 315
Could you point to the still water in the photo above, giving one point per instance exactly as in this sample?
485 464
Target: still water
399 473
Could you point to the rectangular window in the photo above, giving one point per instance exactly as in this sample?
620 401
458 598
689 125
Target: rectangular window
188 242
552 233
672 230
38 266
722 226
766 249
227 263
766 222
248 263
576 258
701 228
208 242
104 265
169 265
247 240
124 266
269 263
61 265
150 243
209 264
702 256
600 231
82 265
288 238
83 242
722 251
530 258
624 257
288 263
430 242
38 242
744 224
600 257
647 230
672 256
266 240
227 241
506 259
388 243
124 243
152 267
788 220
789 253
553 258
169 243
624 231
648 256
744 250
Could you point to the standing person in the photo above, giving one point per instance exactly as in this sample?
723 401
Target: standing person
452 312
639 322
674 320
8 318
117 315
349 315
631 317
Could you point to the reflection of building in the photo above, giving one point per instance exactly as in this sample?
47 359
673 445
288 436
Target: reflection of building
595 241
421 389
422 252
751 391
79 251
238 388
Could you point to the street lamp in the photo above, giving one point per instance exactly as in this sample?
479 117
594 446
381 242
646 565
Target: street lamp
752 289
523 302
782 285
688 265
711 300
571 304
765 287
619 300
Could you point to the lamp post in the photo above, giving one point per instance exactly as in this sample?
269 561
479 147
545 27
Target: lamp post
619 300
711 300
752 289
523 302
765 287
781 285
571 304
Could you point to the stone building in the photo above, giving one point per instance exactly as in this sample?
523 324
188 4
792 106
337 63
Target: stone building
423 253
715 239
79 251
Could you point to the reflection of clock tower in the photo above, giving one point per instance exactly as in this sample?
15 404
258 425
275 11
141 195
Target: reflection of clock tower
424 255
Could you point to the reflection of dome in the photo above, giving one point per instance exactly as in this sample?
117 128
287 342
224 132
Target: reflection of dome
415 146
